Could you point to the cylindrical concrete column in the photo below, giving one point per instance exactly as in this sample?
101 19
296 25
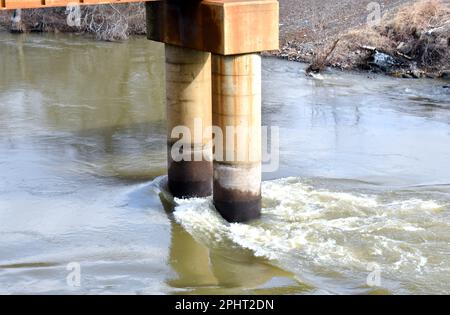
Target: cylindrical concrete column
188 96
237 114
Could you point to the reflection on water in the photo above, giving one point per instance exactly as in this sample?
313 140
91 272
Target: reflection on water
363 179
83 94
350 126
212 271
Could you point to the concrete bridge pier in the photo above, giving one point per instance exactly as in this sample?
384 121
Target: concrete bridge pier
228 94
237 113
188 103
234 31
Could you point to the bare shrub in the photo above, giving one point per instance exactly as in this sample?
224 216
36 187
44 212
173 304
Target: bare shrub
349 53
113 22
320 58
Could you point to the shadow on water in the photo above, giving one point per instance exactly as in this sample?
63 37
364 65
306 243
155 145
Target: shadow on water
230 270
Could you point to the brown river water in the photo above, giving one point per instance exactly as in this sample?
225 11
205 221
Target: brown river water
360 203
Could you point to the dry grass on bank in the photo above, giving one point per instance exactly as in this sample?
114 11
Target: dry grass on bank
418 35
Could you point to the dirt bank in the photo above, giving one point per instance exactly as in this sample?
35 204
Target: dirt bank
309 25
411 38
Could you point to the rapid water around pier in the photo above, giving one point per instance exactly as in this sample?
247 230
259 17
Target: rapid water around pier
359 204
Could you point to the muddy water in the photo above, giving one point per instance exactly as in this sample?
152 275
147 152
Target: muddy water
359 204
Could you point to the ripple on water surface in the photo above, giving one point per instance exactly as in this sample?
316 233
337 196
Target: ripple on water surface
362 188
326 237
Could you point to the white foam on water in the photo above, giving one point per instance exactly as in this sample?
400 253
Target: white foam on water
307 230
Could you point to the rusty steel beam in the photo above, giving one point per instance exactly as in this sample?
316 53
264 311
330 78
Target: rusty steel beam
224 27
36 4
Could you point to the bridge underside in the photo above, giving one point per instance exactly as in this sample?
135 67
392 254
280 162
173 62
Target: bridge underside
33 4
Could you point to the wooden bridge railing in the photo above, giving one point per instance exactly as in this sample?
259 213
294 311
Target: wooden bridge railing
32 4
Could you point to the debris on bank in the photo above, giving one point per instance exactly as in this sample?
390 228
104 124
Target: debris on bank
412 43
398 65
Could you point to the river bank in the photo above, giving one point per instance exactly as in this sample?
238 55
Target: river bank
404 38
